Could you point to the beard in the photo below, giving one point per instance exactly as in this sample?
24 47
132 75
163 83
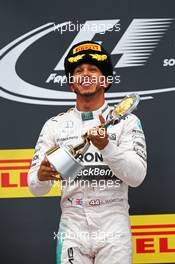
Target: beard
86 94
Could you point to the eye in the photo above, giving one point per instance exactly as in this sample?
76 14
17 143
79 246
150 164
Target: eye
77 71
93 69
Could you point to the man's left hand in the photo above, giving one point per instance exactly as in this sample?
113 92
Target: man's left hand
98 135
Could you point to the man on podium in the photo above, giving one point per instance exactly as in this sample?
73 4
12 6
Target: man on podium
94 225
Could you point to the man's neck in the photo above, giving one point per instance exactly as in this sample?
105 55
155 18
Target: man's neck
89 103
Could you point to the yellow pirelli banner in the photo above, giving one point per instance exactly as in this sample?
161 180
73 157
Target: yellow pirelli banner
14 166
153 235
153 238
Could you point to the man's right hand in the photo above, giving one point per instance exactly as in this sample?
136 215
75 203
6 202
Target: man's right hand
46 172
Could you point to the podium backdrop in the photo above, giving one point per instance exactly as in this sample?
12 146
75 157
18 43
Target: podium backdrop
35 36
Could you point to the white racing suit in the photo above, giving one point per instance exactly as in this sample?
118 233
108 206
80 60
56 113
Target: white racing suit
94 226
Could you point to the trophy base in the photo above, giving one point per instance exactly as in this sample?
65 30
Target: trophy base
64 162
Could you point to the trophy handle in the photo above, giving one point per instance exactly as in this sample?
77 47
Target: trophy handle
82 146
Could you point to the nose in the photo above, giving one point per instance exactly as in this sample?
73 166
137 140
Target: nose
85 72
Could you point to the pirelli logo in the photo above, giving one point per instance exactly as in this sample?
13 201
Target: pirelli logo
87 46
153 238
14 167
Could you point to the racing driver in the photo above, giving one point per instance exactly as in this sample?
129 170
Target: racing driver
94 225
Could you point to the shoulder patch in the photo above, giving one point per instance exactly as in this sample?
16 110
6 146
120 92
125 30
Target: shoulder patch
53 119
60 114
139 126
69 110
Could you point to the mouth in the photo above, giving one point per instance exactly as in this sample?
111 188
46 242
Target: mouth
86 83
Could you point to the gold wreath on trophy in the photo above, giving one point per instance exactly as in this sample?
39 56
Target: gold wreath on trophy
122 109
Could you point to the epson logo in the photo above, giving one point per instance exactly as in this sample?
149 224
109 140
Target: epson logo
133 49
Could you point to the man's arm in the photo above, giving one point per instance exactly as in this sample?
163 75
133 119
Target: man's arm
127 160
41 175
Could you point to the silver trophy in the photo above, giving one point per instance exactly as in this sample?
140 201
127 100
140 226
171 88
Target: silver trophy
66 159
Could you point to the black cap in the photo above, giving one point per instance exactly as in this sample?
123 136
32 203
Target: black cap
91 53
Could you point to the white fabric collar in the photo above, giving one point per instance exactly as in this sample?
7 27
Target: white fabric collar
85 116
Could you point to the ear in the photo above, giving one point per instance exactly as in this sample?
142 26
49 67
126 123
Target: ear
106 84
